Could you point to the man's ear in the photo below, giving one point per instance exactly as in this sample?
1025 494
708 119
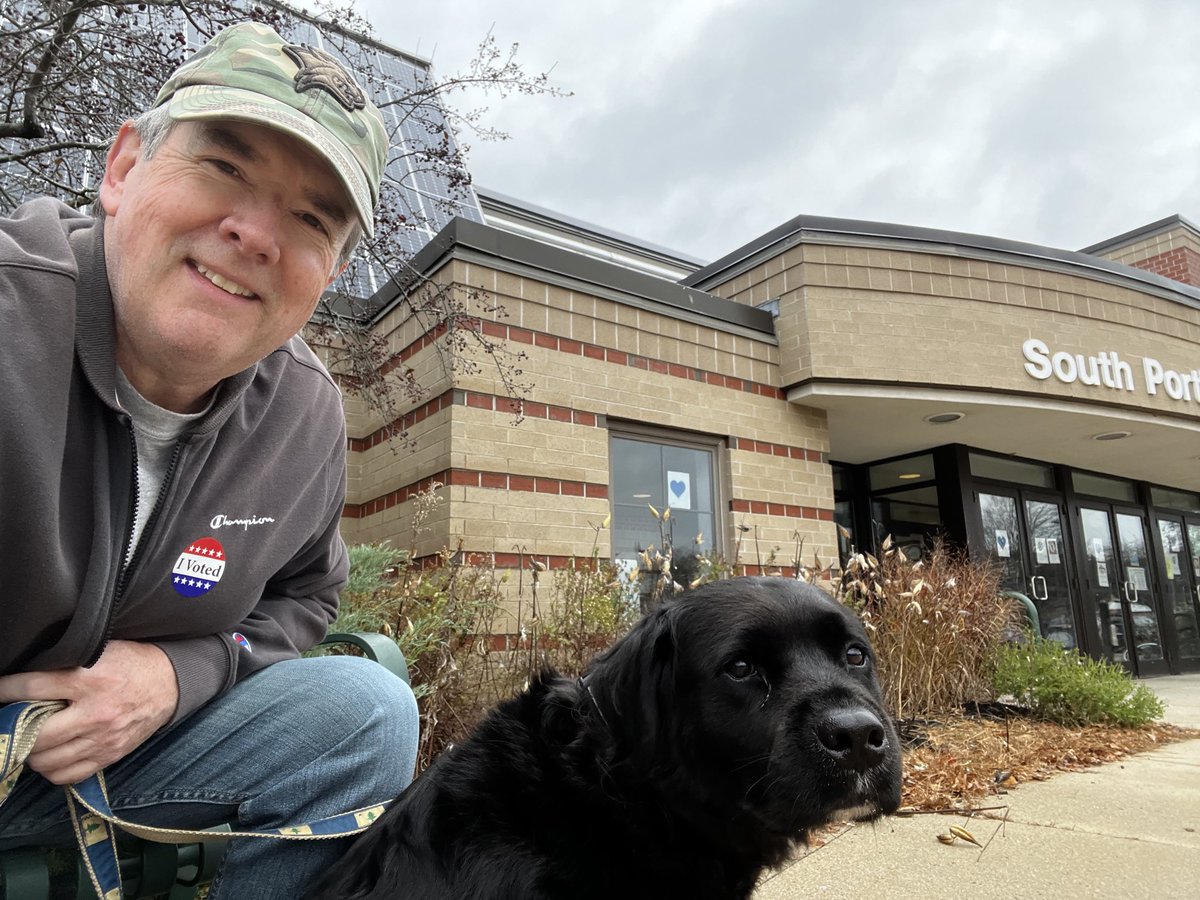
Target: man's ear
125 152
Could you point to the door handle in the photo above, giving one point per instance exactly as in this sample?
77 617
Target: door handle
1033 587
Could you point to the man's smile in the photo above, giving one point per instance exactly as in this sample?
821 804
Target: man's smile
225 284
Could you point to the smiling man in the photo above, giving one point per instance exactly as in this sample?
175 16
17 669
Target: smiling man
172 470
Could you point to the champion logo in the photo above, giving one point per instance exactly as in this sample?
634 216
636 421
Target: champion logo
199 568
240 640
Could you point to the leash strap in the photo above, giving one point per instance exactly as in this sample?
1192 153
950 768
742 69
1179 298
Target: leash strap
93 819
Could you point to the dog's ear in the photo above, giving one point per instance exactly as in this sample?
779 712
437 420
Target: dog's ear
633 683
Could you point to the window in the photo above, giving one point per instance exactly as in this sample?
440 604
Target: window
911 518
1099 486
843 511
1018 471
669 472
904 503
1184 500
901 473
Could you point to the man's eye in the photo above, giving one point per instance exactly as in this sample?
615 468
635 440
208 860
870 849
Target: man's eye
740 669
314 222
224 167
856 656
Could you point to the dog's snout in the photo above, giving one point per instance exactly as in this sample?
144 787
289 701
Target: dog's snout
855 738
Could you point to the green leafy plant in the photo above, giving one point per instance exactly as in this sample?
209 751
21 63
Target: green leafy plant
592 607
366 601
1066 687
441 615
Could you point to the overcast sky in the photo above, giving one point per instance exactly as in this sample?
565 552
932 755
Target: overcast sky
701 124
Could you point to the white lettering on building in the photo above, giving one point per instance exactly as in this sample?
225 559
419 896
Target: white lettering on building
1178 385
1107 369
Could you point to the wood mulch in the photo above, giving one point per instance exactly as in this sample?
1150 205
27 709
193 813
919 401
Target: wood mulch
962 762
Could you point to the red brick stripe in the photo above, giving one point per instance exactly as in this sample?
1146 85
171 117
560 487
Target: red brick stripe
516 335
787 510
510 560
533 410
475 400
392 498
752 446
404 423
479 479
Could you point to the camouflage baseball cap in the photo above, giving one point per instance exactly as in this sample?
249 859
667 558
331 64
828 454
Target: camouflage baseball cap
249 73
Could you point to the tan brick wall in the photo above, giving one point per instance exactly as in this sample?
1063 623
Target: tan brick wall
1154 245
589 358
888 315
387 467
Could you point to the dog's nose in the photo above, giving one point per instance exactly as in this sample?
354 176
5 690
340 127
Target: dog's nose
854 738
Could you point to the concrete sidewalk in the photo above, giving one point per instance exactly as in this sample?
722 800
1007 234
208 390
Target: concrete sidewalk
1129 829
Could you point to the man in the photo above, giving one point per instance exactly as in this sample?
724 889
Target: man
172 470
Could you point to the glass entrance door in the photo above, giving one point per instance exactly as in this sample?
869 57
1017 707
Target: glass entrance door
1025 537
1180 573
1138 591
1050 578
1002 538
1119 591
1102 599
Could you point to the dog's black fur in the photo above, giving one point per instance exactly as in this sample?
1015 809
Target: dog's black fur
694 754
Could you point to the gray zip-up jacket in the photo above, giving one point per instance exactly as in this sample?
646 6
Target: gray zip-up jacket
241 561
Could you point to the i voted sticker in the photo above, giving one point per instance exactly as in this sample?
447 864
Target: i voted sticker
199 567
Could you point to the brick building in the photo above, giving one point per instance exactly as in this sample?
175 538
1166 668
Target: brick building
1038 405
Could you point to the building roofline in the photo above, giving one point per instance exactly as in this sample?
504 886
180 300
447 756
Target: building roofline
1137 234
315 19
805 229
486 244
531 212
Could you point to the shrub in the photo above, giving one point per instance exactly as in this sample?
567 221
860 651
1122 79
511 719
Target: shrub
366 599
441 616
1066 687
935 625
470 635
591 606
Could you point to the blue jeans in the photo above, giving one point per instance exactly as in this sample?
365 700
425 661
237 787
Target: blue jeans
300 740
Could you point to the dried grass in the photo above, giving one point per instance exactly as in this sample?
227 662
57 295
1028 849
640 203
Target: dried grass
935 625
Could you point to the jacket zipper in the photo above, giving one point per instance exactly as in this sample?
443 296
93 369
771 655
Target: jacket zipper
127 568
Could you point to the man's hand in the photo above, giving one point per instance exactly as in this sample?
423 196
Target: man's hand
113 707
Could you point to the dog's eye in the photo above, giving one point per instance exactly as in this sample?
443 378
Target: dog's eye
740 669
856 656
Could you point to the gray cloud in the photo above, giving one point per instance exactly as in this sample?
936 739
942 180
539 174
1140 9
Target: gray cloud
700 125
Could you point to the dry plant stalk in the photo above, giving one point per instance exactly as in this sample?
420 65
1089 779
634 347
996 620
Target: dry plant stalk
934 624
448 617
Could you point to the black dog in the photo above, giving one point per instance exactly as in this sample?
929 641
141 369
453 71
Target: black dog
695 753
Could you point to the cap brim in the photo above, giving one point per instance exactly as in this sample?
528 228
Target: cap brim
204 101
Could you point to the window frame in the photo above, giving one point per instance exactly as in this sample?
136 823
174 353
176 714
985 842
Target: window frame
715 445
